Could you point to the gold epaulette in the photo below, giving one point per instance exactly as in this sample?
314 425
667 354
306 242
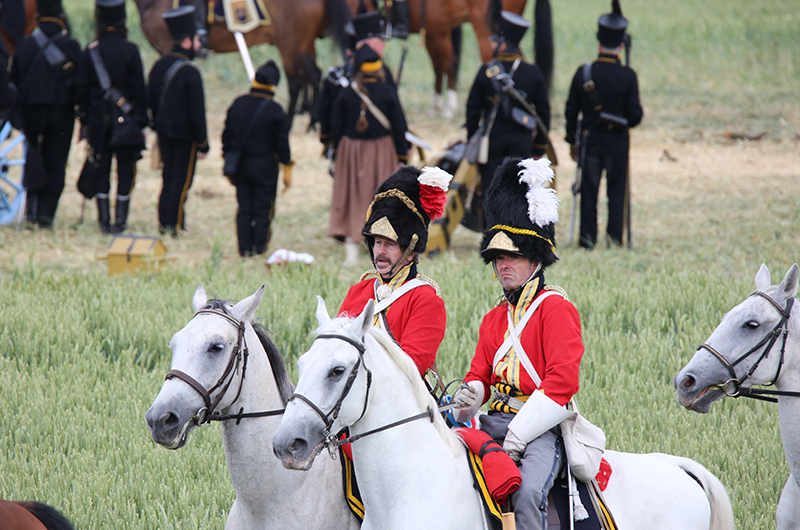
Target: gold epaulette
559 290
430 281
367 274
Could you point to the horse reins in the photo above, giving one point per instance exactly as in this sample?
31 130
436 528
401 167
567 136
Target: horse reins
332 441
781 329
240 352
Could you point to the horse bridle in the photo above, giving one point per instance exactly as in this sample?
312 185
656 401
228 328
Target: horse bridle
239 353
781 329
331 416
332 441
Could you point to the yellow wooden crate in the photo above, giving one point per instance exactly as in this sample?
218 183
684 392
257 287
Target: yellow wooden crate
135 254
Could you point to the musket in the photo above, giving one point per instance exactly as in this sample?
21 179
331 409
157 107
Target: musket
626 39
507 86
400 67
576 186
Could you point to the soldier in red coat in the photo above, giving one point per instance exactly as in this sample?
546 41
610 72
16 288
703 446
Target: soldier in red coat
529 346
409 306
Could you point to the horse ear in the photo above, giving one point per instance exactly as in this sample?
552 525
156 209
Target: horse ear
245 310
364 320
763 280
322 312
200 299
788 287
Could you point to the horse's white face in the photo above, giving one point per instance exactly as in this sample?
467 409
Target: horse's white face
201 350
323 374
702 381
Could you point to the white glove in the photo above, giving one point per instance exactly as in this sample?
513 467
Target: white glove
513 446
467 400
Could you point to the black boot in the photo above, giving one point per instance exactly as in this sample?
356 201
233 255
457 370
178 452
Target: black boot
103 214
32 208
121 221
401 18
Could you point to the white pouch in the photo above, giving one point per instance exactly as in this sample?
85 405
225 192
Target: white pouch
584 443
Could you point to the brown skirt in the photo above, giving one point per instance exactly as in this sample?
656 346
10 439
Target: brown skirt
361 166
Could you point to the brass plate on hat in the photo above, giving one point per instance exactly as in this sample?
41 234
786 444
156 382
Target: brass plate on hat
501 241
382 227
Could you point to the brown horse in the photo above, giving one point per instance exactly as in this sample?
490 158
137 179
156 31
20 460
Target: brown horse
295 26
441 20
31 516
30 25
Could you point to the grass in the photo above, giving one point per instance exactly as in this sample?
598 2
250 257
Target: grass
82 356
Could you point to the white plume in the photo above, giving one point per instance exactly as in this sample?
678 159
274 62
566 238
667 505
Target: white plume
542 202
435 176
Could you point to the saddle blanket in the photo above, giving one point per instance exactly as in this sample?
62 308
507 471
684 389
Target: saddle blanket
493 512
237 5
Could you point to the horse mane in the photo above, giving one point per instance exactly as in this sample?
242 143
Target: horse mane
407 367
51 518
276 362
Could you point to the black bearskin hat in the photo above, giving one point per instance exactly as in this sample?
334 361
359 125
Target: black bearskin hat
611 27
110 12
180 22
268 74
405 204
520 212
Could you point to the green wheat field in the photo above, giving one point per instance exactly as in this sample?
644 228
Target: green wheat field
83 355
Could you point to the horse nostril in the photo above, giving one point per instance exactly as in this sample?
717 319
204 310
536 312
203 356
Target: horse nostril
298 446
688 381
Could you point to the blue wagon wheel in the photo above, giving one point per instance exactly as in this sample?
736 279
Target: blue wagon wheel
12 170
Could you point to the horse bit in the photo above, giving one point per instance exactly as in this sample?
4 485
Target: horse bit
332 441
240 351
780 329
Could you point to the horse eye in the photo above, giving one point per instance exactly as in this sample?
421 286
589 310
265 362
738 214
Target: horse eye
216 348
336 373
751 324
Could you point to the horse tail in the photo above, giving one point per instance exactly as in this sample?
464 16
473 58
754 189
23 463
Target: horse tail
456 38
51 518
338 15
720 504
543 39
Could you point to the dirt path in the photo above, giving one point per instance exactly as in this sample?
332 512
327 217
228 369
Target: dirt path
671 177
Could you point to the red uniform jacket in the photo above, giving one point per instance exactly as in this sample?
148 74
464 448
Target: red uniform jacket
552 340
417 319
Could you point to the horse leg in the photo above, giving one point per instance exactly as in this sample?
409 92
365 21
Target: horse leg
452 71
480 17
153 26
788 514
441 51
313 78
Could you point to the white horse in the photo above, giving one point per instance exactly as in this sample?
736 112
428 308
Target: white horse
415 475
211 356
757 343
